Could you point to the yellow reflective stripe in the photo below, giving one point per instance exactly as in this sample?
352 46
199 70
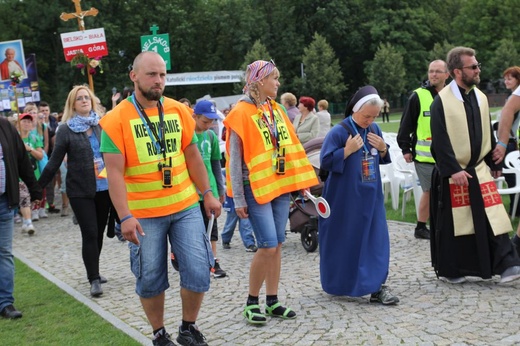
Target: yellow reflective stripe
143 169
266 156
281 183
289 149
163 201
157 185
144 187
269 171
152 167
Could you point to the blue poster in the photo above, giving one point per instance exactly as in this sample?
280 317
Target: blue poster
15 94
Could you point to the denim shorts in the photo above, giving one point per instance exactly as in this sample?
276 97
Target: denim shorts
268 220
187 238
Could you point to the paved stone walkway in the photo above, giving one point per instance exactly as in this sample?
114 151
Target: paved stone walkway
430 313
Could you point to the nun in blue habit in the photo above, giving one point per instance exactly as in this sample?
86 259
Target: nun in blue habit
354 240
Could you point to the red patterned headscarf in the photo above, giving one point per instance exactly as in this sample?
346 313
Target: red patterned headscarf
258 70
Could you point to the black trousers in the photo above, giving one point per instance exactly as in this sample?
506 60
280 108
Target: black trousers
92 216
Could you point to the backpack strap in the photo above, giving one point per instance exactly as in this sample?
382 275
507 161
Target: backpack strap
347 128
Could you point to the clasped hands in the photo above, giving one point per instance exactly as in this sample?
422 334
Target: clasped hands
355 143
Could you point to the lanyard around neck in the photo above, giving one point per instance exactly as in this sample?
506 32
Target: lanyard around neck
158 139
363 136
271 125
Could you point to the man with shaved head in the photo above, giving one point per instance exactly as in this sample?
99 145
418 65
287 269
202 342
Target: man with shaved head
154 173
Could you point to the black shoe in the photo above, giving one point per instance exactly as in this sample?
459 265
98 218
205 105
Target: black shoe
52 209
191 337
384 297
217 271
226 246
10 312
422 233
103 279
95 288
163 340
251 248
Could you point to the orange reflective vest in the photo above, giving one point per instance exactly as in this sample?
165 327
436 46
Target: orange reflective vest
259 152
146 195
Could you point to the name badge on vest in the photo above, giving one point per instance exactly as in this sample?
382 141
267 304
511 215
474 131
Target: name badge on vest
368 169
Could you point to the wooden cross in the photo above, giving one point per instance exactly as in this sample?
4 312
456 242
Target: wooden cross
79 15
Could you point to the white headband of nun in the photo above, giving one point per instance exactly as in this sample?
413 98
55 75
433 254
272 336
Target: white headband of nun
363 100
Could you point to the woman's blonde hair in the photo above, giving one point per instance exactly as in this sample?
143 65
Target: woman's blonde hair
253 90
69 111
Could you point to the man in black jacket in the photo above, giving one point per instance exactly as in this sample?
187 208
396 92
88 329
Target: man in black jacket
14 164
414 138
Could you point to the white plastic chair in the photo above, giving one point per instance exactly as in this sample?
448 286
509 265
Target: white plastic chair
512 163
410 183
391 184
393 179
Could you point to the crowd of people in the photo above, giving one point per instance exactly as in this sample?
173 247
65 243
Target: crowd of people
151 171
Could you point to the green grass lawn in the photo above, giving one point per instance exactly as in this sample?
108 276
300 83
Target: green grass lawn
52 317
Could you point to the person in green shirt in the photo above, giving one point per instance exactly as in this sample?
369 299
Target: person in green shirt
205 114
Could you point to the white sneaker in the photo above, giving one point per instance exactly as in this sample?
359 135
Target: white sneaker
30 229
17 218
35 216
42 214
510 274
458 280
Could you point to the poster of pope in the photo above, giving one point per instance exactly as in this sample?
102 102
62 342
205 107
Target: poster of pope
14 59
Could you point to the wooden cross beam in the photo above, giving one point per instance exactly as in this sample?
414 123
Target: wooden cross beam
79 14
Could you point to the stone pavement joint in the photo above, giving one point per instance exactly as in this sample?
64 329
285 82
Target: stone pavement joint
431 312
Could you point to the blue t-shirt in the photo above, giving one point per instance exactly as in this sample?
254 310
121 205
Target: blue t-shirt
99 164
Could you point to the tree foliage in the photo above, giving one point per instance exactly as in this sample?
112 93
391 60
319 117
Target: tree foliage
506 55
386 72
209 35
257 52
323 78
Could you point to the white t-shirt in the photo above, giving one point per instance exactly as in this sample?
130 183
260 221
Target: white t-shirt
516 122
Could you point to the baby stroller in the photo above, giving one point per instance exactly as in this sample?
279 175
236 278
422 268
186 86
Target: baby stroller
303 217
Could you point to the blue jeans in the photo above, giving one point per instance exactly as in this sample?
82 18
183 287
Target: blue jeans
6 253
188 241
244 227
268 220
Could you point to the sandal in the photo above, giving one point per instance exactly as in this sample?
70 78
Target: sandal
252 316
269 310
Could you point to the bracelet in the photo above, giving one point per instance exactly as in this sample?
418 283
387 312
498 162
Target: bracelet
205 192
383 151
129 216
502 144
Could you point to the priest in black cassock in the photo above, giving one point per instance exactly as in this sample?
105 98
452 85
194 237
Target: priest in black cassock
469 223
